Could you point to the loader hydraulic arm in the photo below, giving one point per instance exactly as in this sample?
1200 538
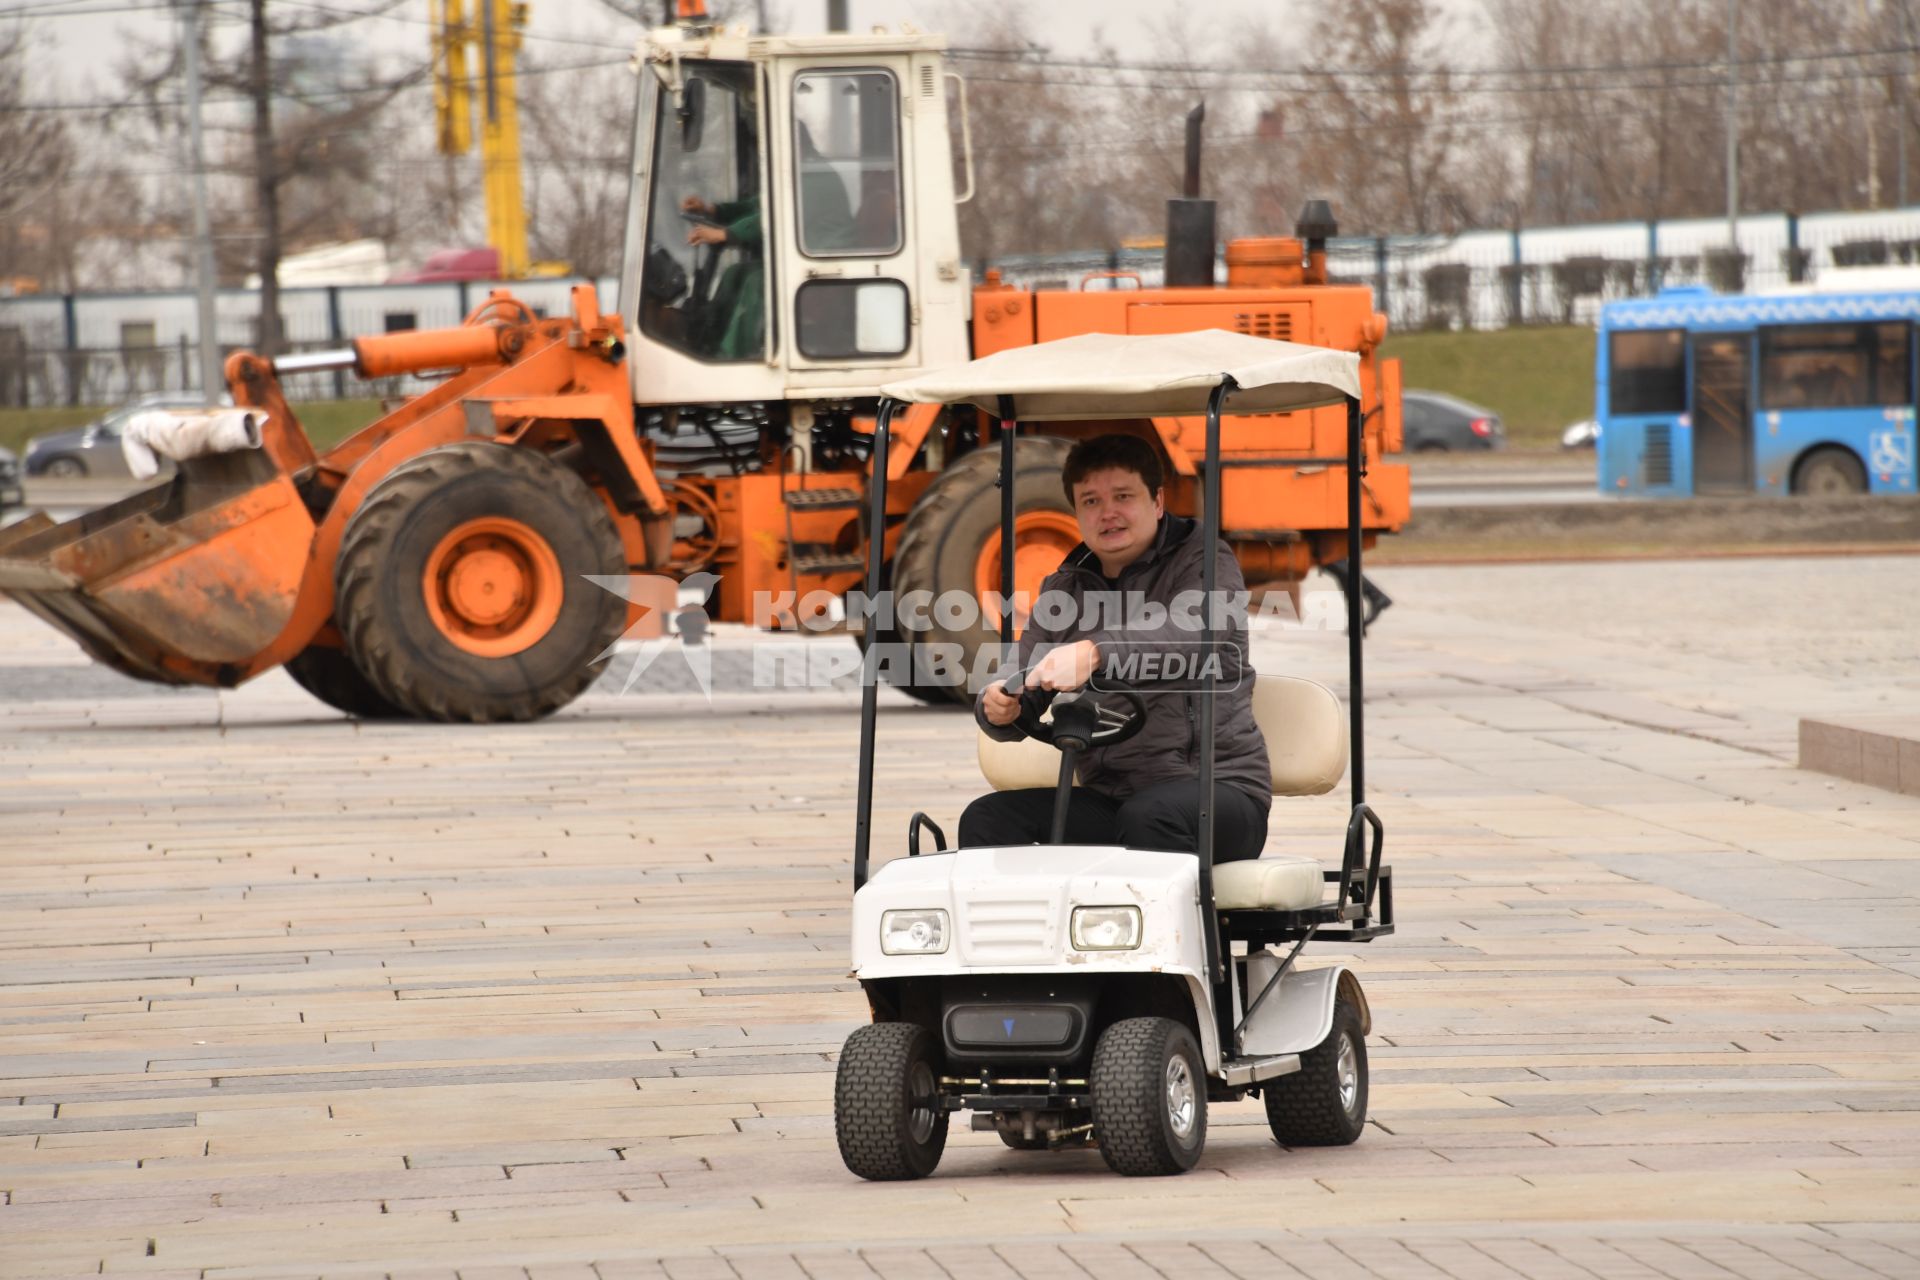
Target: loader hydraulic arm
472 345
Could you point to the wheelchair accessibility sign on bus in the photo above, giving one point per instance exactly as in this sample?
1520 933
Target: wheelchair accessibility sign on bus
1891 455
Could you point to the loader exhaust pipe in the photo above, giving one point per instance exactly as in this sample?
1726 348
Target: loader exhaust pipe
1190 220
1316 226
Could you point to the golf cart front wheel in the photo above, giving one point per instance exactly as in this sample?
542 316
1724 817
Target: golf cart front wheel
886 1103
1324 1104
1149 1097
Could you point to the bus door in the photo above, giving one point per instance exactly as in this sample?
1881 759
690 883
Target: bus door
1722 412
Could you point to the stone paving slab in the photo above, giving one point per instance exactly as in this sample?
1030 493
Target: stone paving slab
284 995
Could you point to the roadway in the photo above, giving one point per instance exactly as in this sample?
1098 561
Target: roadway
1513 479
285 995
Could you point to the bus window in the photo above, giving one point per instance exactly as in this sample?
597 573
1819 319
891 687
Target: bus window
1891 363
1834 366
1648 372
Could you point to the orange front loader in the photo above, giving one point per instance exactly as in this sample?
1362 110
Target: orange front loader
433 564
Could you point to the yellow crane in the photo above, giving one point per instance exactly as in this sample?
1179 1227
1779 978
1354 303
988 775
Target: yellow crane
486 32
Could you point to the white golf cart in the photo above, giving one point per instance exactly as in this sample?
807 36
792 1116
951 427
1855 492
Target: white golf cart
1068 994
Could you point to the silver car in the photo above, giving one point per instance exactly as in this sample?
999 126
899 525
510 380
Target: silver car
11 494
94 450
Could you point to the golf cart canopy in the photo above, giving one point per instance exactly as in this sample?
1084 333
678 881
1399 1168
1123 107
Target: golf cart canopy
1112 375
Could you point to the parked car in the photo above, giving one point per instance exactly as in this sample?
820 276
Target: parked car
1436 422
1584 434
94 449
11 494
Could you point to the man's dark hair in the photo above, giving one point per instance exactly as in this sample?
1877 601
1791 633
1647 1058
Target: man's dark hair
1111 452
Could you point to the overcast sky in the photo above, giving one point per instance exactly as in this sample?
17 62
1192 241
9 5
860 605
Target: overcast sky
89 37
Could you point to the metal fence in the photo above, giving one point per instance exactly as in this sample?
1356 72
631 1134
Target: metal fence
108 348
1552 275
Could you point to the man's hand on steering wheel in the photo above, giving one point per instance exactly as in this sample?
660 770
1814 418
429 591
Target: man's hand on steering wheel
1094 717
1067 667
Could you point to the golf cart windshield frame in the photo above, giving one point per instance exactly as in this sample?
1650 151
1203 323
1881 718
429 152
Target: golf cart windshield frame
1359 877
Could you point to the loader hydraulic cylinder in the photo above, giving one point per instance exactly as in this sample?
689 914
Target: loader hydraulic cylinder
464 347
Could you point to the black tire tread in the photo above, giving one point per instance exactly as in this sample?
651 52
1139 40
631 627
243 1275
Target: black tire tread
1129 1109
331 676
1303 1109
368 632
870 1111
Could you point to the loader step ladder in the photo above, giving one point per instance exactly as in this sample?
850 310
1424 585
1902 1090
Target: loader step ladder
818 558
823 499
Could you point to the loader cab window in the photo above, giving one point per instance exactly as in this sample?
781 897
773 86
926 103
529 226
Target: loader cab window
846 151
703 284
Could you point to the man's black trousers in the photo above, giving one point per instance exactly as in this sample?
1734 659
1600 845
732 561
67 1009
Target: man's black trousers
1163 816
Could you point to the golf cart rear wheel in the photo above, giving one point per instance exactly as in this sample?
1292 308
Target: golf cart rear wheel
1149 1097
886 1103
1324 1104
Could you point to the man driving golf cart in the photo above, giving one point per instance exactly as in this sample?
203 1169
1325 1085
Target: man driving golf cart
1099 992
1144 792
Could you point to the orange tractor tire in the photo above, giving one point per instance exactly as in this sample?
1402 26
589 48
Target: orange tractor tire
329 675
951 542
462 589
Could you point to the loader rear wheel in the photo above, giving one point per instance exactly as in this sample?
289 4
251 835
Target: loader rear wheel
329 675
462 586
951 539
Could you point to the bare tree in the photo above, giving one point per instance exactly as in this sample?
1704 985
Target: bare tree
576 181
35 159
304 144
1383 136
1050 158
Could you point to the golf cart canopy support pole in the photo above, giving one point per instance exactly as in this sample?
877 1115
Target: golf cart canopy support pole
1009 428
1209 583
870 667
1356 629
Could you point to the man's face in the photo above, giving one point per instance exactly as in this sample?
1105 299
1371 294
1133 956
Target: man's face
1118 517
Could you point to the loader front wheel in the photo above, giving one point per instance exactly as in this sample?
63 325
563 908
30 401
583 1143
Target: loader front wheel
329 675
462 585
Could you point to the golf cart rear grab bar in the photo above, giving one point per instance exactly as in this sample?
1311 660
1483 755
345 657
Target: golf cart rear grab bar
1359 879
914 824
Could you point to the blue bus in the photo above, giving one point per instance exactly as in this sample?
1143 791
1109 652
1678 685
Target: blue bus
1800 392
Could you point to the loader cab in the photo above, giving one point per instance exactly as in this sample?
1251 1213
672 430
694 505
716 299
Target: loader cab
792 232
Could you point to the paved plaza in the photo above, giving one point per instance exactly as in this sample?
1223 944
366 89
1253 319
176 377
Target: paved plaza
283 995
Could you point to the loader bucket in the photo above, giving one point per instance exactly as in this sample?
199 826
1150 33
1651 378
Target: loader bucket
182 583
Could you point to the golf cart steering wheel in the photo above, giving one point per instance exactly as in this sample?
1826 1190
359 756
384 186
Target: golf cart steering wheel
1082 721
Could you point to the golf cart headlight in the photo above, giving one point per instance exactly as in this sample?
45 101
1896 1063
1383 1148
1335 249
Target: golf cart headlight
1106 928
913 933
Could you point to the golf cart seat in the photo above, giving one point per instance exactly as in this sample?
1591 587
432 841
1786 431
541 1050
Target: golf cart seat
1306 733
